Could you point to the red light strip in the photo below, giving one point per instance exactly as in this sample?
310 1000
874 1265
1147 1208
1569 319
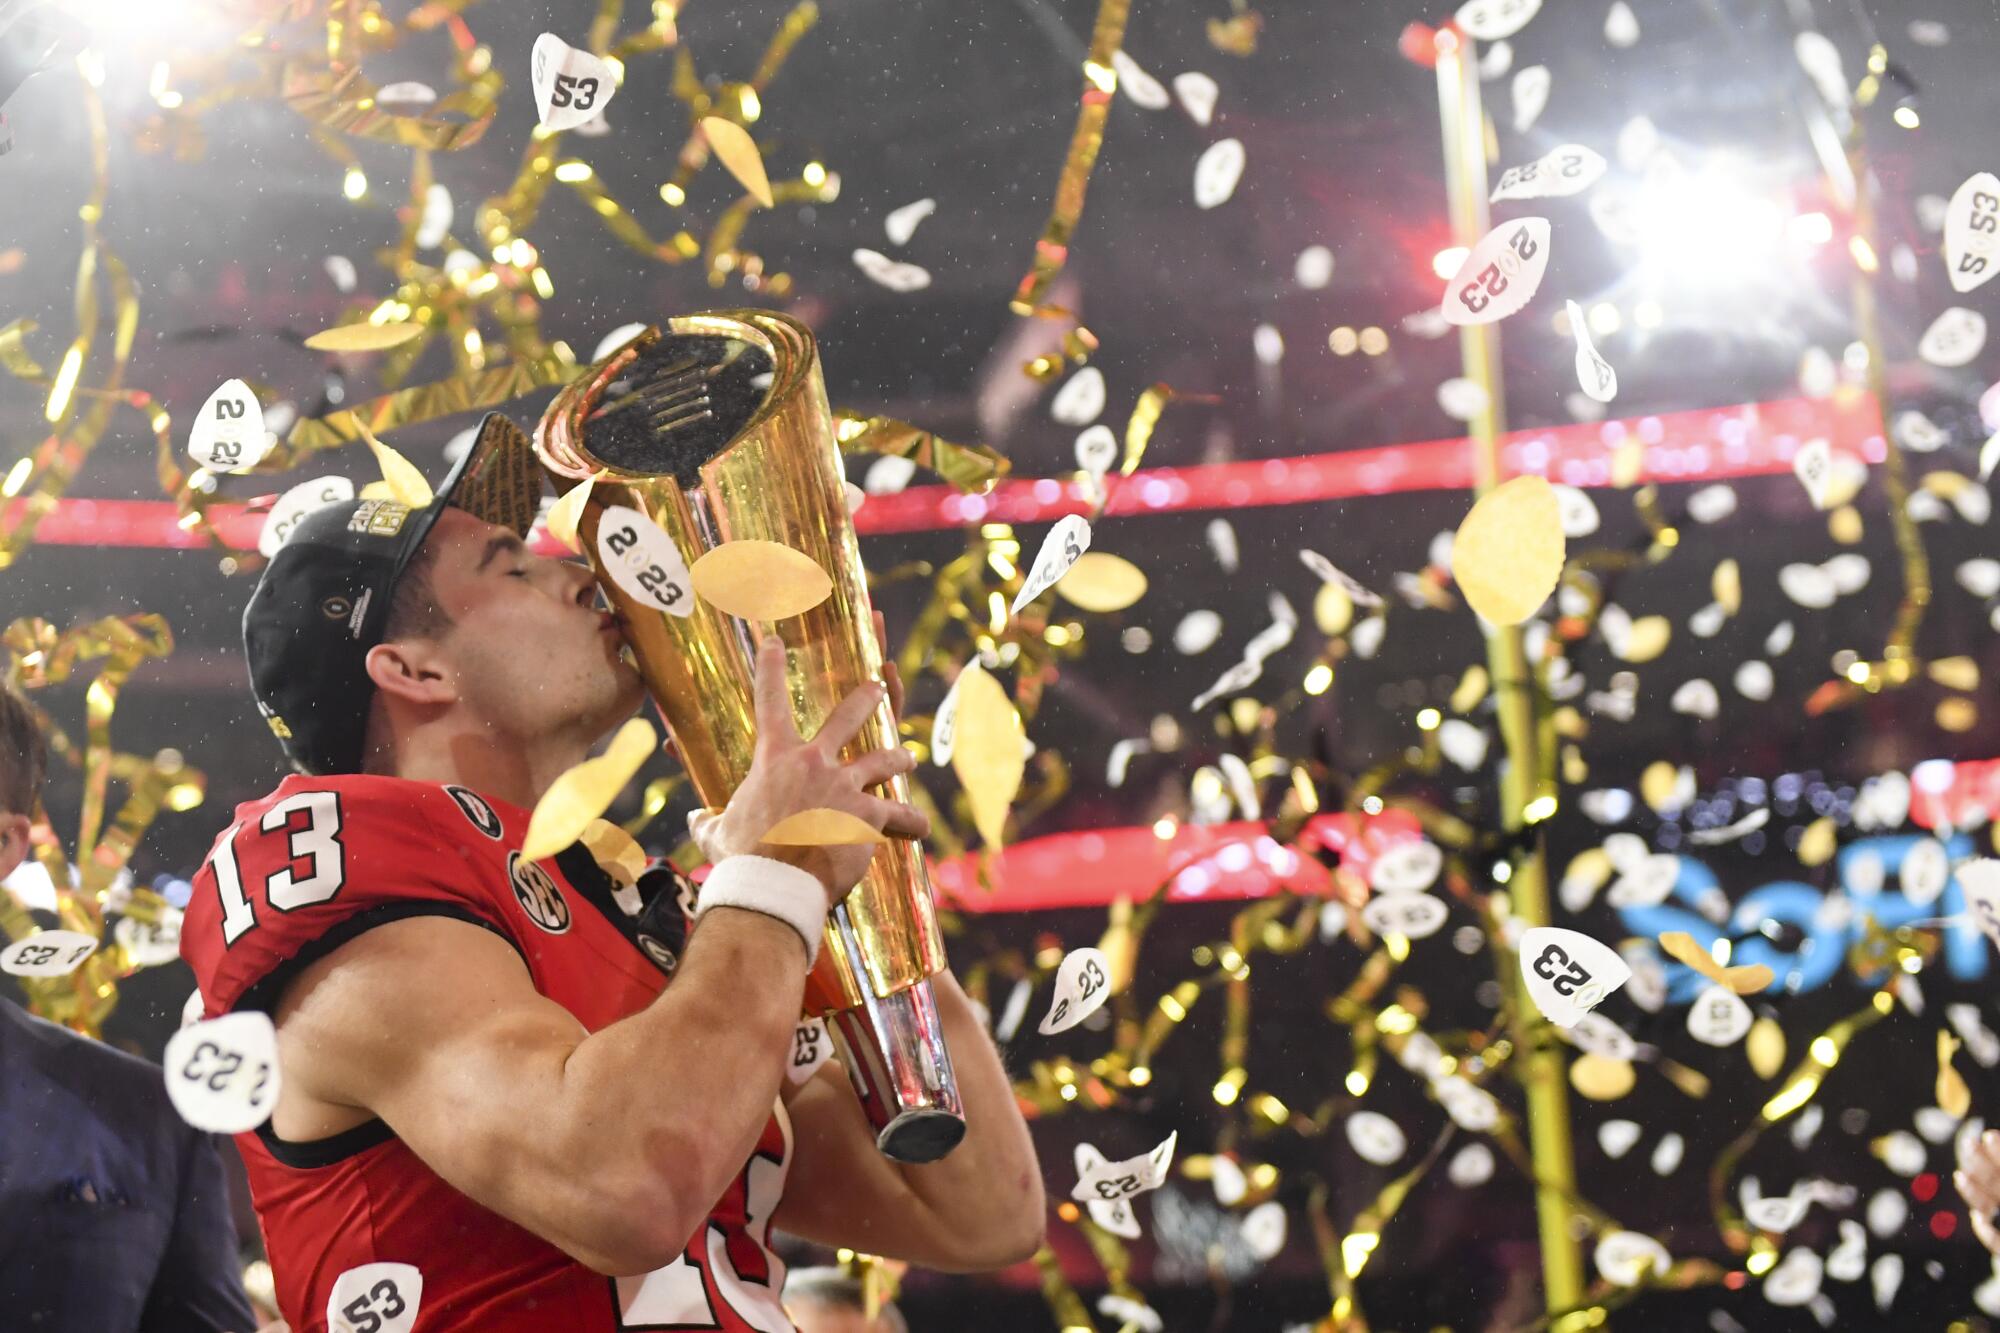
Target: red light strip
1709 444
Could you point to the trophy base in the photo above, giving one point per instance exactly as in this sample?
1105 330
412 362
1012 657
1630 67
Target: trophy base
893 1048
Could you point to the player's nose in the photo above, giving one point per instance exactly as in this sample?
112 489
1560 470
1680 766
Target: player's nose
582 583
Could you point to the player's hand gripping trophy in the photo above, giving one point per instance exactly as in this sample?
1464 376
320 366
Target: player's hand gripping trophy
712 430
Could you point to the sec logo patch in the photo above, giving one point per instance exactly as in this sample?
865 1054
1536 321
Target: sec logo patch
537 892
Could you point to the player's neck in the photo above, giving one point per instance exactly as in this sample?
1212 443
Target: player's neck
490 762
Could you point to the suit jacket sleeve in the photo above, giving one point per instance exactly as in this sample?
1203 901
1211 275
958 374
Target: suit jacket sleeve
199 1288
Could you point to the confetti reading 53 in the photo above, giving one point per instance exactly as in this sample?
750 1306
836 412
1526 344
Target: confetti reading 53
375 1298
571 86
1065 544
1972 232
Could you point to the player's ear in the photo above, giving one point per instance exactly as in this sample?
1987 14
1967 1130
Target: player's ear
411 670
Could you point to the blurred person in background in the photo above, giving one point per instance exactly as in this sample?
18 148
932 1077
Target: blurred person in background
828 1300
114 1214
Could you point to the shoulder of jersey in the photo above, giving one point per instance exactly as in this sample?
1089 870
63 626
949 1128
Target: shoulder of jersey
403 814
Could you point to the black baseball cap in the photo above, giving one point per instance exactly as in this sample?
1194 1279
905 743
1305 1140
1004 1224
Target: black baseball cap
323 601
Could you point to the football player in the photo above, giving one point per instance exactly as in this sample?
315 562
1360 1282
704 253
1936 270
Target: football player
521 1095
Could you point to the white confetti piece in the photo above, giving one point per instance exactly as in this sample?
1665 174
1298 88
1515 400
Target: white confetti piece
1495 20
1222 543
1627 1258
1197 632
1116 1217
1496 60
1667 1155
1408 867
1697 698
1216 173
1328 573
1471 1107
890 474
1313 269
341 270
1568 973
1470 1166
1779 641
228 433
1778 1212
1598 1035
1849 1259
616 339
1980 577
1125 1312
1972 232
1929 32
1848 572
47 953
1813 466
1501 275
295 504
812 1046
1083 984
901 224
435 222
1096 450
1577 511
1376 1137
1918 433
1109 1182
1647 882
891 273
1463 744
1981 881
1728 833
1531 96
1808 585
944 724
1142 88
1755 680
1718 1017
222 1074
1063 547
1198 94
643 560
1820 59
1462 399
1712 504
375 1298
1617 1137
1621 26
406 94
571 86
1925 870
1593 373
1080 401
1264 1230
1414 916
1954 338
1885 1278
149 943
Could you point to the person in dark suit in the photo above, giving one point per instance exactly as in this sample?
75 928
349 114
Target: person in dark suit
114 1216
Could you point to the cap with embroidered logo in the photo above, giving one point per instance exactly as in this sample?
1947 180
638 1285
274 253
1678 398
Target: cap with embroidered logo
323 601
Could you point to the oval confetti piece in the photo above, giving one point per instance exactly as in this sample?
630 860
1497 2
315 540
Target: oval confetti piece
1083 984
760 580
1107 1182
1954 338
1697 698
901 224
643 560
1617 1137
1667 1155
1376 1137
1080 401
571 87
1496 20
1103 583
375 1298
47 953
1264 1230
586 791
737 152
1627 1258
812 1047
228 433
1144 90
1216 173
1766 1049
1197 93
222 1073
1593 372
1718 1017
890 273
364 337
1568 170
1567 973
1601 1078
989 751
295 504
399 474
1531 96
1501 275
1509 551
821 827
1598 1035
1408 867
1470 1166
1797 1280
1778 1213
1414 916
1061 549
1972 232
567 512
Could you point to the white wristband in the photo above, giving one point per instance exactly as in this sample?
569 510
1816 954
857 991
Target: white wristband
772 888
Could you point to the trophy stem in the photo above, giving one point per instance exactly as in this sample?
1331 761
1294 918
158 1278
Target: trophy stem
893 1047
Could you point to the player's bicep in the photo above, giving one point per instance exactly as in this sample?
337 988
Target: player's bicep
434 1025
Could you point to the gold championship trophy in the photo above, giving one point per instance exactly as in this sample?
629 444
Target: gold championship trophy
716 430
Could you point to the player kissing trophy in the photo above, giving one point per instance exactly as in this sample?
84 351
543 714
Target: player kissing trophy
713 430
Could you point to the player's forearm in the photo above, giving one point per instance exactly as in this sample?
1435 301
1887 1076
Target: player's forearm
988 1192
676 1095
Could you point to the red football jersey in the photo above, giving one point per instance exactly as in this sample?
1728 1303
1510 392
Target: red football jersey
318 862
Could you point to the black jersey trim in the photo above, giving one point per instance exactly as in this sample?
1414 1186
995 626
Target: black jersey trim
262 996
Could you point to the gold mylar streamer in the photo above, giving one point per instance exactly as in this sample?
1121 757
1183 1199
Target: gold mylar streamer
423 402
405 483
970 467
1952 1093
1099 83
341 99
